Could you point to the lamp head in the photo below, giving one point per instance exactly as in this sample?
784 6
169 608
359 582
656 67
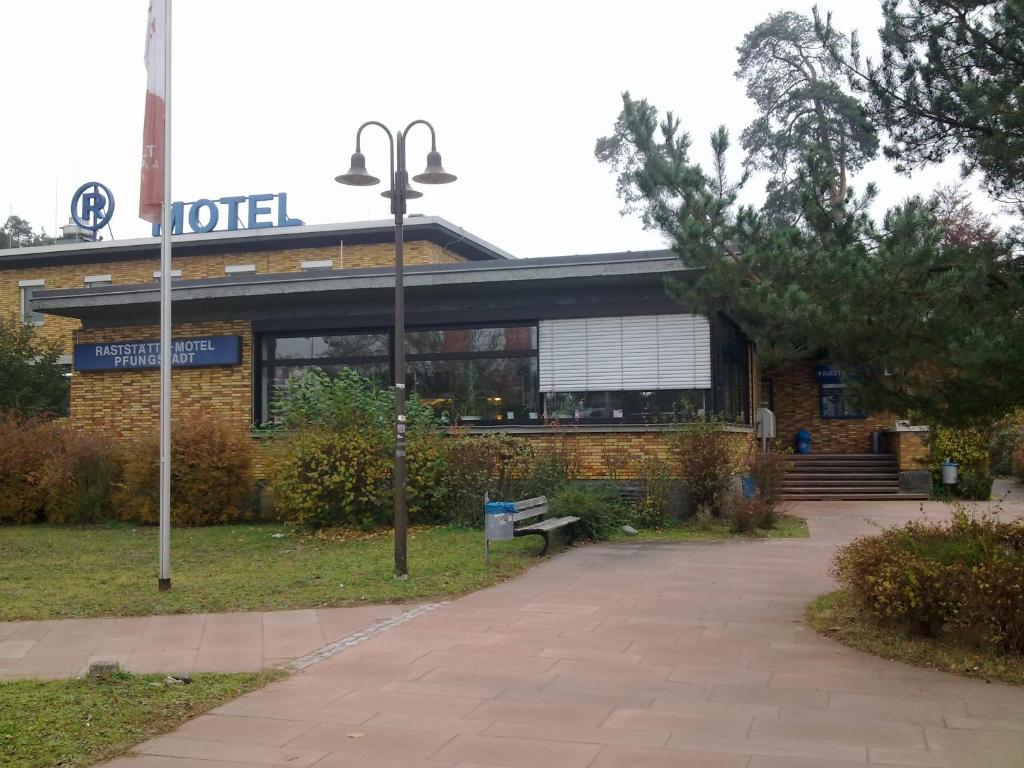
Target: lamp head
357 175
435 172
410 193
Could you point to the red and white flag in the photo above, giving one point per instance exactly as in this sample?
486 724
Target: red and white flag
151 194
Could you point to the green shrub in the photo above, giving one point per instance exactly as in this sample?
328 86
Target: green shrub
965 577
974 486
82 477
24 452
343 478
428 479
31 381
967 447
333 477
660 498
1009 436
49 470
555 463
598 506
769 473
993 604
492 464
747 515
211 475
970 486
707 457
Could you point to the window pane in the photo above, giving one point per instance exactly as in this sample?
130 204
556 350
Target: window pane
337 346
297 348
428 342
498 339
451 340
835 403
627 405
277 376
28 316
477 390
351 345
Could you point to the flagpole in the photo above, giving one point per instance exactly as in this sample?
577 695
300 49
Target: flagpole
164 581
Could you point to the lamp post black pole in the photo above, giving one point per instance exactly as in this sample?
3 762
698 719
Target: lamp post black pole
399 193
398 187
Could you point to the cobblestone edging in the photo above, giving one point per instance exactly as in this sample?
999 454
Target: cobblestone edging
350 641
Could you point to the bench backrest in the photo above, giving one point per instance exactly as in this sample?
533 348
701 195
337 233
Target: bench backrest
530 508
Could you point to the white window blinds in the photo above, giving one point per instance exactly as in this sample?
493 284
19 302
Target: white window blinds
625 353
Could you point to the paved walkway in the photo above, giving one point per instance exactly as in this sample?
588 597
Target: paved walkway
641 655
181 644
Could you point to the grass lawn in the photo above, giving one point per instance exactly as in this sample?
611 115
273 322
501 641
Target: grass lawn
82 722
52 572
787 527
838 616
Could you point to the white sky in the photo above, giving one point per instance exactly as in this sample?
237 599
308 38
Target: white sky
267 97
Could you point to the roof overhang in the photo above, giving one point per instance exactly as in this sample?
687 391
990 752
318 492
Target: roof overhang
432 228
545 285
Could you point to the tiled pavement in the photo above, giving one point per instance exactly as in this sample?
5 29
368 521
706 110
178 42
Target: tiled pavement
638 655
225 642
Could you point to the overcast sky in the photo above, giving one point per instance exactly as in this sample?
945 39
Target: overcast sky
267 97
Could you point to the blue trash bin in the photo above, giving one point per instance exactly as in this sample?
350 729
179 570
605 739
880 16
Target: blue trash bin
749 487
803 441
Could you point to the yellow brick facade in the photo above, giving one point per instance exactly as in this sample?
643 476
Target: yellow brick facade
618 454
797 406
126 404
60 329
912 449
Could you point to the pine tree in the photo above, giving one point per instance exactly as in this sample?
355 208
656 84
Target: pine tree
950 82
923 307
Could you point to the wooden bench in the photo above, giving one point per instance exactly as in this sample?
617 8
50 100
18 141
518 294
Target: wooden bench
528 509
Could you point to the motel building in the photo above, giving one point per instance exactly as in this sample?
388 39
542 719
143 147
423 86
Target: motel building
534 347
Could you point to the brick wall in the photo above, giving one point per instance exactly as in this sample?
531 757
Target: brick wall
797 406
613 454
59 329
126 404
602 455
912 449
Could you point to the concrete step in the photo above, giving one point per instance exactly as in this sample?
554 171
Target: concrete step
847 456
876 475
840 489
844 475
839 481
811 496
842 463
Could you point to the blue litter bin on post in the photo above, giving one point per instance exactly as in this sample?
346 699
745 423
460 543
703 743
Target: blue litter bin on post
803 441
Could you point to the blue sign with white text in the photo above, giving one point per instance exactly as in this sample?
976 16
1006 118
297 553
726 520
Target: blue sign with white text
132 355
828 374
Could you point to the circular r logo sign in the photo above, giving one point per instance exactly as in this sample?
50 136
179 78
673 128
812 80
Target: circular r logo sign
92 206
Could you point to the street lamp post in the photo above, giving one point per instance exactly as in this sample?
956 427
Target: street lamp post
399 192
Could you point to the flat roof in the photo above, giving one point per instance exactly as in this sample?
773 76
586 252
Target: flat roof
433 228
570 272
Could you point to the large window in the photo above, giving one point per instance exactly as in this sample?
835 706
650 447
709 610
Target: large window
476 375
283 357
469 375
731 356
630 369
609 369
